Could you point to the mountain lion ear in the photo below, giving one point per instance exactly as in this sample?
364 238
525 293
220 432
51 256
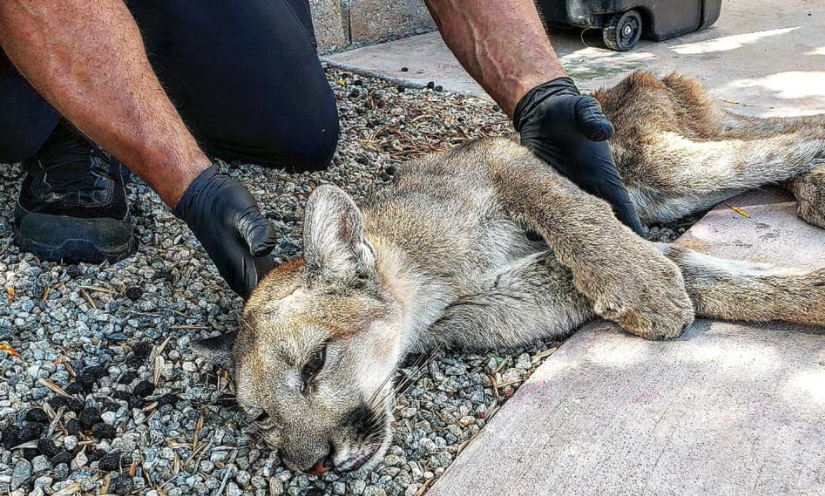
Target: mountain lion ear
218 350
335 246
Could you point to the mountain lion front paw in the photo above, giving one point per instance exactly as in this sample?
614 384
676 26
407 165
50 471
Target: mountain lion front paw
642 291
809 190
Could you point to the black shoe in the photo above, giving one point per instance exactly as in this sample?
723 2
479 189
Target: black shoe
72 204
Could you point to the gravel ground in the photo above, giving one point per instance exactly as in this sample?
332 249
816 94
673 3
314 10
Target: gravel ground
100 393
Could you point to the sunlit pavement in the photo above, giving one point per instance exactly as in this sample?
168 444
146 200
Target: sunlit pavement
763 57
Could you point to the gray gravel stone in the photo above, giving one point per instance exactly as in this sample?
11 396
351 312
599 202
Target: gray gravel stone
218 456
40 463
232 489
109 417
61 471
43 481
69 442
21 474
374 491
276 487
358 486
79 461
523 361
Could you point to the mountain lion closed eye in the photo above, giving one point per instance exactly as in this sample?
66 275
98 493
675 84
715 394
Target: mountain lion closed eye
441 258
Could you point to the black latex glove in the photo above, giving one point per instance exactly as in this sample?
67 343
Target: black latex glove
226 220
570 132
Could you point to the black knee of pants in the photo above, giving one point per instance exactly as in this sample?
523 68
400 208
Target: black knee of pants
243 75
26 120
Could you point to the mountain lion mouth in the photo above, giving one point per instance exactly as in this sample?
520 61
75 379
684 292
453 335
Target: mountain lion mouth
367 455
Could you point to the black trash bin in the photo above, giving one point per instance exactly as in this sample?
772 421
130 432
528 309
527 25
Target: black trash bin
624 22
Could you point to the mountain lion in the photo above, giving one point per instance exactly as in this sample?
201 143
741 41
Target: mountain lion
441 257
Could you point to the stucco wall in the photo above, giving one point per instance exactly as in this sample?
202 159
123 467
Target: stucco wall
341 23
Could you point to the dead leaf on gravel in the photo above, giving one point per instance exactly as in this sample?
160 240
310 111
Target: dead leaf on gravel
542 355
26 445
159 362
54 387
88 298
7 348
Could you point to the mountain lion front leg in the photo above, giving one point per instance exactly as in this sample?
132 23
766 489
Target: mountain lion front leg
626 278
530 299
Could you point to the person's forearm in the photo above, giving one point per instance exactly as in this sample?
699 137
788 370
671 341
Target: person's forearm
501 43
87 59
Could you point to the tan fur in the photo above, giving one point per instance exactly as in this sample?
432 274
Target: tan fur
441 258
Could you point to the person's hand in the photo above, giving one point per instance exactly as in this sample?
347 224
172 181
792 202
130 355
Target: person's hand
226 220
570 132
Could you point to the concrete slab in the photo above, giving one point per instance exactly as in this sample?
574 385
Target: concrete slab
773 233
768 56
727 409
425 56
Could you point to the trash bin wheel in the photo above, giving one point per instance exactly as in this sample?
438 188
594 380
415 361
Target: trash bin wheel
623 31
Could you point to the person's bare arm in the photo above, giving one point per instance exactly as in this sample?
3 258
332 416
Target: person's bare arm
501 43
87 59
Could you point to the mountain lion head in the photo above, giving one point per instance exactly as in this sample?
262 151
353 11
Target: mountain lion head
320 340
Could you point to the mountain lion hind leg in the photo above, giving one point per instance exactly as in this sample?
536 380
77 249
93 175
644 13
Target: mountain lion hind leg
809 187
754 292
678 153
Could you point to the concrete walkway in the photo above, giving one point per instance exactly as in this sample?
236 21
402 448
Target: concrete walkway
763 57
727 409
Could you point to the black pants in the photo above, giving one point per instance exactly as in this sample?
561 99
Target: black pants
243 74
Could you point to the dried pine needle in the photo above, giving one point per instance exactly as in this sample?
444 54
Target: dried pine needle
99 289
739 210
88 298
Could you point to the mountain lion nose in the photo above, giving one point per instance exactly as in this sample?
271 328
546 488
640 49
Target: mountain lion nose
322 467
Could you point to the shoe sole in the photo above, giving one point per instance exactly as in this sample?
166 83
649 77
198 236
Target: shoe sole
76 250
